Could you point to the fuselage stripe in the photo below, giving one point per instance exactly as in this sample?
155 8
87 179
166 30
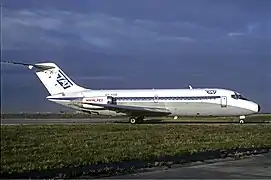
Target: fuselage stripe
147 98
167 98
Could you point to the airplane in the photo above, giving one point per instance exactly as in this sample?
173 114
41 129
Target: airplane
139 104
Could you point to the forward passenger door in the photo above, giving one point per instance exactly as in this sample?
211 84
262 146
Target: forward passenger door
155 98
223 101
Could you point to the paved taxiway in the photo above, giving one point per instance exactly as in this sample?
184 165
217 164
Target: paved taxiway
255 167
17 121
57 121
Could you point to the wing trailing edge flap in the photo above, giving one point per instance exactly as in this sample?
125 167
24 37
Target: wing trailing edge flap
133 110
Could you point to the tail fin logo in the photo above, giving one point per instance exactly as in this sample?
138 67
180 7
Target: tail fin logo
63 81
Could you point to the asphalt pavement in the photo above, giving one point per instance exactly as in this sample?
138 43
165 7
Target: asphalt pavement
56 121
255 167
17 121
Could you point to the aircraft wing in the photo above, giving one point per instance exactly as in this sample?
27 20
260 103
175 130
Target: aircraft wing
133 110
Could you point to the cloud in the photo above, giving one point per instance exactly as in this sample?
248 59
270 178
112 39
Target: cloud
177 39
56 28
22 27
255 29
33 19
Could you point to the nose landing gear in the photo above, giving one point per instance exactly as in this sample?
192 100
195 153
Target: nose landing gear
242 119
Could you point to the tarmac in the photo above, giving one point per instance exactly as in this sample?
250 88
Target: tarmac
255 167
57 121
23 121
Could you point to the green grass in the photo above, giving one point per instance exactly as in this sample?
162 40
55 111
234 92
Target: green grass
30 147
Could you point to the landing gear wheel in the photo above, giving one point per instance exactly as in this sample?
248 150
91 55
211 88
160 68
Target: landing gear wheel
140 120
242 119
135 120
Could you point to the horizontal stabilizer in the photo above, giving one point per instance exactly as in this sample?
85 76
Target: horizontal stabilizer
30 66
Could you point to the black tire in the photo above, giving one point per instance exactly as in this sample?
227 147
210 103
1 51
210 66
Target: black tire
133 120
136 120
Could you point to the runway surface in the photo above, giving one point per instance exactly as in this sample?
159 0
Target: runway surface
58 121
256 167
17 121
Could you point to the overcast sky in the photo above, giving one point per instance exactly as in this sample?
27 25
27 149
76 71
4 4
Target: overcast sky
137 44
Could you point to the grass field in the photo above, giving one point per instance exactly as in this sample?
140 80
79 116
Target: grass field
31 147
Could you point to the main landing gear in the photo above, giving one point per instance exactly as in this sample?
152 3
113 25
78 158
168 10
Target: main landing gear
136 120
242 119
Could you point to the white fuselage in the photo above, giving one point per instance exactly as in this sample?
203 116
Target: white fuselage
139 103
180 102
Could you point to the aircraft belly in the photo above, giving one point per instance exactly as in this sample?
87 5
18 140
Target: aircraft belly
185 108
202 109
176 108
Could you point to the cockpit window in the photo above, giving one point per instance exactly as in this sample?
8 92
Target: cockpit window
242 97
238 96
234 96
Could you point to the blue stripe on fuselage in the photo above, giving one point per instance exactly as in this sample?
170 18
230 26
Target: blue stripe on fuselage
146 98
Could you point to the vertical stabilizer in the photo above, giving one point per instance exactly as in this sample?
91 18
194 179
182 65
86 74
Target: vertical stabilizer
54 79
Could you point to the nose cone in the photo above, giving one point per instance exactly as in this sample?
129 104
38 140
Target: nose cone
259 108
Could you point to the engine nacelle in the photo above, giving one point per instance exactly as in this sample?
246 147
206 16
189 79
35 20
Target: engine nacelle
97 100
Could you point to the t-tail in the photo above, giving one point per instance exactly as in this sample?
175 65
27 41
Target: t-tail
53 78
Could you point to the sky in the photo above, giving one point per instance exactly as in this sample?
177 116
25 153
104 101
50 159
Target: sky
122 44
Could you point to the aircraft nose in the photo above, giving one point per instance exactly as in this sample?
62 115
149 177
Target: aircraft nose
259 108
